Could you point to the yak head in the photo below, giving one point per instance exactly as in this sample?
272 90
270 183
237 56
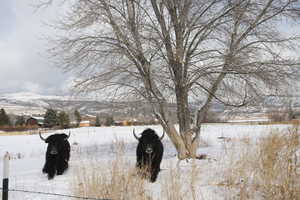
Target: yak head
55 142
148 140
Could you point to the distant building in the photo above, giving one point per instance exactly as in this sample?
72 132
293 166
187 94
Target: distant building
88 119
85 123
35 121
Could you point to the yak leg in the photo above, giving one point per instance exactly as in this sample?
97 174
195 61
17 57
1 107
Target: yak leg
62 165
155 169
45 168
49 167
63 160
154 173
48 162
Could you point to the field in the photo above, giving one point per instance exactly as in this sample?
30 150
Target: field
107 152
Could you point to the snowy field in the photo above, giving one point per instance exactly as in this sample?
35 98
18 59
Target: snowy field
91 143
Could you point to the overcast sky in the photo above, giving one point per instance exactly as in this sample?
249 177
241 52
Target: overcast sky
24 66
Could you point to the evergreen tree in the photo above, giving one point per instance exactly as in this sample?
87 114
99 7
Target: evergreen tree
4 119
97 123
63 120
20 121
109 121
77 117
50 118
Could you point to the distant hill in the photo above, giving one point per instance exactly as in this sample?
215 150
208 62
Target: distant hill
34 104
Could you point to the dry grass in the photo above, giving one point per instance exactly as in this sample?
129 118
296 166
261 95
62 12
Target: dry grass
120 180
24 132
15 133
278 116
180 185
267 170
286 122
110 180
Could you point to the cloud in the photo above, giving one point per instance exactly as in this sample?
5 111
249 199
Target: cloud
10 58
32 87
7 18
23 62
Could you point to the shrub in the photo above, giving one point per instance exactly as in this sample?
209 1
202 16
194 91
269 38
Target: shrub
267 170
278 116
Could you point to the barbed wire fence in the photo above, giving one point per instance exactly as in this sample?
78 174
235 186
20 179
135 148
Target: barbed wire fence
5 186
53 194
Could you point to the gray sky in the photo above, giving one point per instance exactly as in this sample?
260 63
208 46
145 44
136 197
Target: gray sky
24 66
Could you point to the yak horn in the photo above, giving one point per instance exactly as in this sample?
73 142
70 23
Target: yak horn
41 136
136 137
69 134
163 135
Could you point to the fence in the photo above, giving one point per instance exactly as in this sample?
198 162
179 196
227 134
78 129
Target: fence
49 194
5 189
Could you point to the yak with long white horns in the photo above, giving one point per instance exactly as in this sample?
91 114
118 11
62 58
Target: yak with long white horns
57 155
149 153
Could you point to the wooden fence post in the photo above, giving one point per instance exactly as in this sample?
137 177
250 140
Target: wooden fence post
5 176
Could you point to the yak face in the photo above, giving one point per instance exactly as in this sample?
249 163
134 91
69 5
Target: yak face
57 154
149 149
149 154
149 141
56 143
53 149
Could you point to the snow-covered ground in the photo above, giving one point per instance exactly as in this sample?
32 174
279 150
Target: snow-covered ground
27 153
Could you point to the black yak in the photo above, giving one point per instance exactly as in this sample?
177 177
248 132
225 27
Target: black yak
149 153
57 155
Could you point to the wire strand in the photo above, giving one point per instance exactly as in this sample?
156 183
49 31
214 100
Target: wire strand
54 194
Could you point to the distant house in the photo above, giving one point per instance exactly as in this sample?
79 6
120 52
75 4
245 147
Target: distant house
85 123
35 121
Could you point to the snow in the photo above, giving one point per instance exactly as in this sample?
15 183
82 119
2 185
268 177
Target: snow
27 157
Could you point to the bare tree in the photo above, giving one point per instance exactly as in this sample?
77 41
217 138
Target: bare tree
161 50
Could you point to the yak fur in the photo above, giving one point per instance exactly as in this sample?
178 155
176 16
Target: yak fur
57 155
149 154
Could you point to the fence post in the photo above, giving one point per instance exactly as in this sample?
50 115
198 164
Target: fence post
5 176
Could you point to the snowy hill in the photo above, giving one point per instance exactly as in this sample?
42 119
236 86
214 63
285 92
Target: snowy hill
29 103
35 104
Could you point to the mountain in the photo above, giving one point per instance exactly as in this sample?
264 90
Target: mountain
30 103
35 104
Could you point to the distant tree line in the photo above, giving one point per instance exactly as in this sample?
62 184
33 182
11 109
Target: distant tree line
4 119
54 118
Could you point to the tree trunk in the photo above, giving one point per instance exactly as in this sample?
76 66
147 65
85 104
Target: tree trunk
178 142
185 143
183 112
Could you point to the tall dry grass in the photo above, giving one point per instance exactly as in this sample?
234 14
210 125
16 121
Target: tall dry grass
268 169
119 179
111 180
181 184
